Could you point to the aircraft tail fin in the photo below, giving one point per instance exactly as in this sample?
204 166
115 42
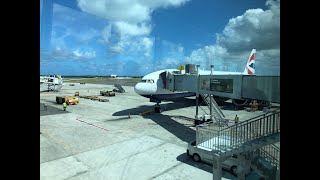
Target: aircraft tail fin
250 66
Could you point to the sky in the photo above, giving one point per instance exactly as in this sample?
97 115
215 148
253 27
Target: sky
137 37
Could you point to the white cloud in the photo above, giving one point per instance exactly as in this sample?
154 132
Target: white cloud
207 55
130 11
127 19
170 55
106 33
62 54
167 63
170 50
257 29
125 28
116 49
65 25
163 3
59 37
120 10
86 36
147 44
135 46
83 55
130 17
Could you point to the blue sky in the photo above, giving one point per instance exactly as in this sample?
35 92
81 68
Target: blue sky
136 37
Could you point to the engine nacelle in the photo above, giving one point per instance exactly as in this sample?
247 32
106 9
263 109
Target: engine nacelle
246 102
241 102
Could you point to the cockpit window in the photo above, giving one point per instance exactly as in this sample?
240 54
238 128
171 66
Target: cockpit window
147 81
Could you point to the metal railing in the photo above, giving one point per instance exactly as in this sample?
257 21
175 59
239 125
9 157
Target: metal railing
235 136
215 112
271 153
207 98
267 160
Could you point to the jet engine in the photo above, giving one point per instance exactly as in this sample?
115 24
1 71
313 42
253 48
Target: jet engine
240 102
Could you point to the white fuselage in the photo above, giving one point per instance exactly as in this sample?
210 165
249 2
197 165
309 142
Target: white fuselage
151 85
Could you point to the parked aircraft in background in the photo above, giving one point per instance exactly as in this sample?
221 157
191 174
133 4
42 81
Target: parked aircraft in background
54 82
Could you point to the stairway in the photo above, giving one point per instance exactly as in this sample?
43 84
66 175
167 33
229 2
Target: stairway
266 161
119 88
253 135
217 114
244 136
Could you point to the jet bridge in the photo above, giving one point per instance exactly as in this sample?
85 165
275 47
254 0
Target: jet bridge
265 88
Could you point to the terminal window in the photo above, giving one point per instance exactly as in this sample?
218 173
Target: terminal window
221 85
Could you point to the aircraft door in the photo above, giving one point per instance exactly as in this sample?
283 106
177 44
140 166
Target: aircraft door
163 79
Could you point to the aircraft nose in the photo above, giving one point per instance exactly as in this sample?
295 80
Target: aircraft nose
144 89
138 88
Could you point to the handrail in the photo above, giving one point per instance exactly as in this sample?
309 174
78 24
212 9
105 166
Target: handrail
262 115
234 136
271 156
271 112
217 112
215 107
252 130
275 147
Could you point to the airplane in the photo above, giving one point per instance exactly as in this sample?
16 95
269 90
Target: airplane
152 85
43 79
54 82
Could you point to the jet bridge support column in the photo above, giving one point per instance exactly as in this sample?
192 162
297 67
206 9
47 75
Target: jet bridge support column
197 95
197 103
217 168
242 167
210 107
212 66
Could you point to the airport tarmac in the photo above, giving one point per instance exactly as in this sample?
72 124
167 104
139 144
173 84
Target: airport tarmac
110 140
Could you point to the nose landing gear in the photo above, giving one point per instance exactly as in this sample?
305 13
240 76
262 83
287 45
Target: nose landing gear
157 108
